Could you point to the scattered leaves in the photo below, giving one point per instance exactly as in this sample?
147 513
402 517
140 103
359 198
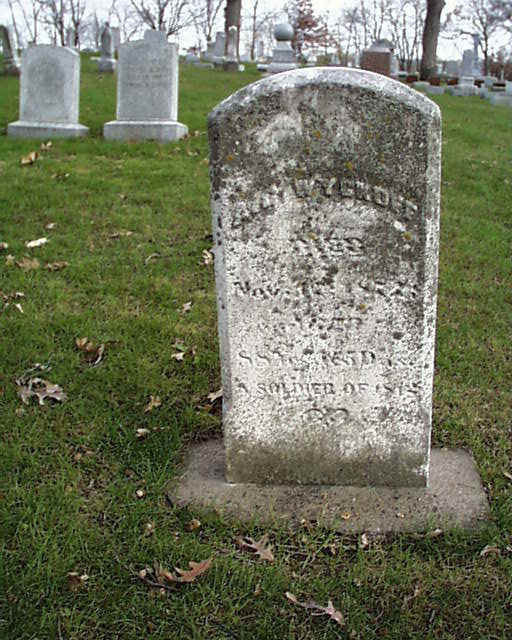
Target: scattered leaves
154 402
120 234
261 547
39 388
36 243
508 475
9 260
50 226
364 543
142 433
140 493
29 158
152 256
56 266
317 610
178 356
3 246
186 307
149 529
28 264
435 533
46 146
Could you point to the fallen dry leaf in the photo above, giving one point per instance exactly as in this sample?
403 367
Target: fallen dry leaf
149 529
154 402
9 260
261 547
508 475
489 549
152 256
3 246
140 493
39 388
120 234
364 543
184 575
215 395
36 243
142 433
76 581
46 146
93 354
193 524
56 266
186 307
317 610
435 533
50 226
29 158
207 257
178 356
19 307
28 263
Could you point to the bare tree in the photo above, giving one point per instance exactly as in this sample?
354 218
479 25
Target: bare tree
232 18
169 16
430 37
30 11
480 17
406 19
59 15
206 14
258 22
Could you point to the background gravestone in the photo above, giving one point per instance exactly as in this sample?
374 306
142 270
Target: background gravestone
11 61
378 58
147 91
326 271
283 56
49 94
107 63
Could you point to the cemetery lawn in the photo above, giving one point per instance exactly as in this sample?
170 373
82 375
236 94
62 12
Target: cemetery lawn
132 223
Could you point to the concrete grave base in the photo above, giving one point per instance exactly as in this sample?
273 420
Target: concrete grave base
455 497
500 99
163 131
107 65
433 90
23 129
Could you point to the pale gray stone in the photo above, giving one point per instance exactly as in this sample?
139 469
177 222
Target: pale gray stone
231 60
147 91
325 208
501 99
116 38
11 60
283 58
452 68
49 94
434 91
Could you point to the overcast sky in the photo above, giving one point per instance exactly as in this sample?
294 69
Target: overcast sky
446 49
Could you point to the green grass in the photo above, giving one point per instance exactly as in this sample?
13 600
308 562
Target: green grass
69 472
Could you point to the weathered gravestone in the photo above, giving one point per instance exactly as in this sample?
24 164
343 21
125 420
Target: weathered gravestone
325 208
326 270
147 91
107 63
49 94
11 61
231 60
283 56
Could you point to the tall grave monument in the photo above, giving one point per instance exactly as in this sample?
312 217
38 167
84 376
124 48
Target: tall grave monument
107 63
283 56
147 91
325 208
49 94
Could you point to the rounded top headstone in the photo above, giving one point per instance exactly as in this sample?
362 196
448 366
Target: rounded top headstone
283 31
382 45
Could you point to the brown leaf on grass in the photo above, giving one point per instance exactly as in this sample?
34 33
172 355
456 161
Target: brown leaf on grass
56 266
317 610
186 307
260 547
215 395
489 549
36 243
207 257
50 226
154 402
120 234
29 158
46 146
39 388
141 433
28 263
186 575
151 256
93 354
178 356
3 246
193 524
9 260
76 581
508 475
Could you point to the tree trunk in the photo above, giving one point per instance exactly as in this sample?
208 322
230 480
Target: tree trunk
430 37
232 14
